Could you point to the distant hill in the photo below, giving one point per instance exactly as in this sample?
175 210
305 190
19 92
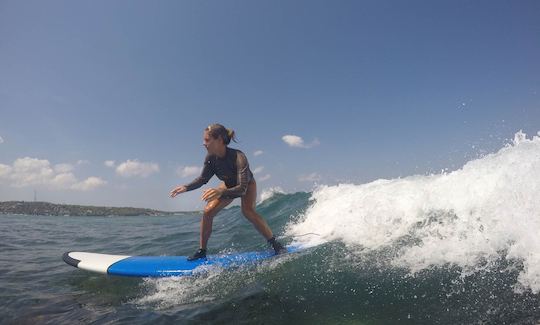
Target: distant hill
52 209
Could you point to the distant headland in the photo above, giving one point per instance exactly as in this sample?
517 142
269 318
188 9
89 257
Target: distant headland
52 209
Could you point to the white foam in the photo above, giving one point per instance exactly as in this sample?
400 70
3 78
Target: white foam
464 217
269 193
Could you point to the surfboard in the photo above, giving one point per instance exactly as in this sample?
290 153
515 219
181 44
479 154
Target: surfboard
163 266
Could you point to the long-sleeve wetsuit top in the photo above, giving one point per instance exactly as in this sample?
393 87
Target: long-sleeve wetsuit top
233 169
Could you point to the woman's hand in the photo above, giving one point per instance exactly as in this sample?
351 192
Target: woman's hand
177 190
212 194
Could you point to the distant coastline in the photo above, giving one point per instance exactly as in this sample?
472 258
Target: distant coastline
52 209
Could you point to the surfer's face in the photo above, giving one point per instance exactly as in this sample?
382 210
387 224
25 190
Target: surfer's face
211 144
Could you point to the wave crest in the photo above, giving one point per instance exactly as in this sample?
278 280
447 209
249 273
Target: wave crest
487 209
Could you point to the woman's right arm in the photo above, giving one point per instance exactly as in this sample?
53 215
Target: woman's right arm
205 176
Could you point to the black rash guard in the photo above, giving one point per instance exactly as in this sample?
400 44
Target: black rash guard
233 169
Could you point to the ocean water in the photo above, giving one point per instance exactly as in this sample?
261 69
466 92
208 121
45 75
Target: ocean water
460 247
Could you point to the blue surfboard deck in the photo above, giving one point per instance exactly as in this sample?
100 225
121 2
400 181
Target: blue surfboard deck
164 266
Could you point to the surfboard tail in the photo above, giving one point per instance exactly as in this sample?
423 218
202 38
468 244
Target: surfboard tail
70 260
94 262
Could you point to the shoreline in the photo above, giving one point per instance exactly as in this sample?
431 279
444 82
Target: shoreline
70 210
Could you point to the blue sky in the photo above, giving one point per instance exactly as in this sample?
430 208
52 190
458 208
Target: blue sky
375 89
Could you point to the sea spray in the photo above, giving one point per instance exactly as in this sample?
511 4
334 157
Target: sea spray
212 284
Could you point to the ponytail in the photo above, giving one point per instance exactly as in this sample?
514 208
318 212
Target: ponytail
231 135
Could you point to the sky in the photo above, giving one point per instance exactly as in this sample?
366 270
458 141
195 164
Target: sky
105 102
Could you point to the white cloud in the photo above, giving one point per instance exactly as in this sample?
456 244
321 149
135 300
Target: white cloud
1 140
297 142
258 169
264 178
188 171
69 181
313 177
89 184
82 162
63 168
293 140
258 153
109 163
64 180
135 168
5 170
32 171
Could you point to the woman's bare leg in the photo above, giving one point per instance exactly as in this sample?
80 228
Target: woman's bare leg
248 209
210 211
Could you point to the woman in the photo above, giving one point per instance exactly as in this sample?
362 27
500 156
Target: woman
230 166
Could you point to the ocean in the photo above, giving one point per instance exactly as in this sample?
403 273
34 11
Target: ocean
458 247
